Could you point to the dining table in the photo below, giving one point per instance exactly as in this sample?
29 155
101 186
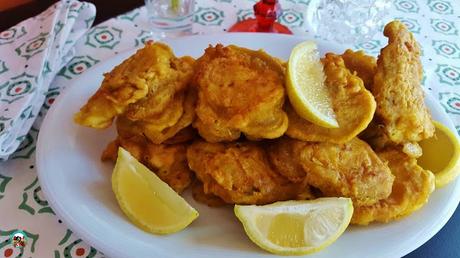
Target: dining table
434 23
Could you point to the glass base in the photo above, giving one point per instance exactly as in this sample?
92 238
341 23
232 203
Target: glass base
159 35
250 25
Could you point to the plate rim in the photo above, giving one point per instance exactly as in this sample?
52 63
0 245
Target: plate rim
86 234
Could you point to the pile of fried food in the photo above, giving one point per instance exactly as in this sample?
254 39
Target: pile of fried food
223 125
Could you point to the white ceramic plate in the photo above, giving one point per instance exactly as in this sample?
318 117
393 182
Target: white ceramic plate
77 184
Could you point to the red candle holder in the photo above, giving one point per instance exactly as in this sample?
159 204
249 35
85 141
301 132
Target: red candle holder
266 12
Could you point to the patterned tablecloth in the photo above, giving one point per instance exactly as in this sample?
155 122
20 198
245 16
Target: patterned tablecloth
435 23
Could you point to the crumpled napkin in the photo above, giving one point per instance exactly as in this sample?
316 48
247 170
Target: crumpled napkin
31 53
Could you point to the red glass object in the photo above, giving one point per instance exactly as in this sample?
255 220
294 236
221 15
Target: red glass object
266 12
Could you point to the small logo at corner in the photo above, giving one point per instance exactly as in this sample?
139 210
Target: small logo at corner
19 239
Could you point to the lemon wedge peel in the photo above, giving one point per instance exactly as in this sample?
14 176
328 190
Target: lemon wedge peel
144 198
305 86
451 170
247 214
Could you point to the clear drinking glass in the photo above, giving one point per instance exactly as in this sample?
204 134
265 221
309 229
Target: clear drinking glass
347 21
170 18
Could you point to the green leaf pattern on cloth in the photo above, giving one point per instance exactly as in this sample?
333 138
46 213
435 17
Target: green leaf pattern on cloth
435 24
38 47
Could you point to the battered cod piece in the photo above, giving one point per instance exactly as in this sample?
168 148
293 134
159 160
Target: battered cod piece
159 99
365 66
411 190
187 134
401 112
209 199
158 129
239 173
167 161
239 91
343 170
284 154
143 85
354 106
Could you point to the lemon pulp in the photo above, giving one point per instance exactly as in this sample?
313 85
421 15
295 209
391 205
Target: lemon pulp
296 227
441 155
146 200
306 90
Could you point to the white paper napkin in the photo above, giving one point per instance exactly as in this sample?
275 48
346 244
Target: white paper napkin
31 53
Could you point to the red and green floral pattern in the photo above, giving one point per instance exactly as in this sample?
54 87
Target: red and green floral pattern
37 49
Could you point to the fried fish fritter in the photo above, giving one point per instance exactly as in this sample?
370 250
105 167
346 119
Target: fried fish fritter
239 91
207 198
141 86
285 156
158 129
187 134
411 190
159 99
401 114
343 170
239 173
365 66
168 162
353 105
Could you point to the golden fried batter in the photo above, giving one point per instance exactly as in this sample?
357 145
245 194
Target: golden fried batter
169 117
239 173
207 198
365 66
343 170
142 85
167 161
401 113
353 105
239 91
158 100
411 190
187 134
177 116
285 156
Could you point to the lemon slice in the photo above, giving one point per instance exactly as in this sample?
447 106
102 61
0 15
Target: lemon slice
296 227
146 200
441 155
305 86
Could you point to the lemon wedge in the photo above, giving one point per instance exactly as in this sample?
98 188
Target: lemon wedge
441 155
146 200
296 227
305 86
